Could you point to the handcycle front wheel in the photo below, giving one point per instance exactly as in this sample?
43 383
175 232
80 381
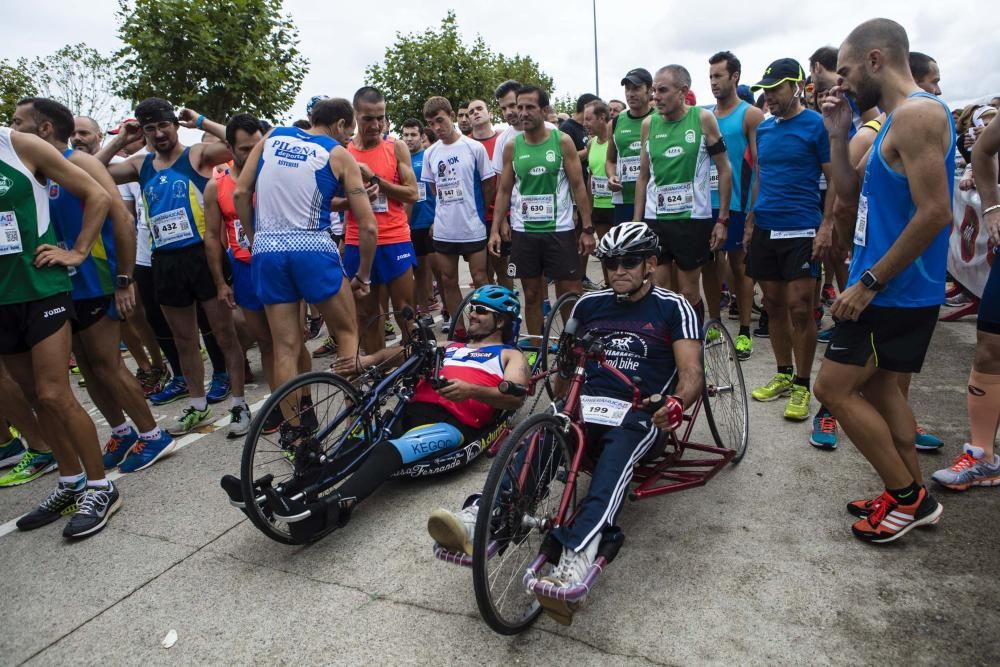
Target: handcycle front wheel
555 323
320 402
517 509
725 395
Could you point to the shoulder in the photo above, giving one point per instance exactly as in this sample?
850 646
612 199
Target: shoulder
921 112
752 114
593 300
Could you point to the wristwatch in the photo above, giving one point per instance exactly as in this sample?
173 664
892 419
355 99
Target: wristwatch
122 281
375 180
869 280
588 230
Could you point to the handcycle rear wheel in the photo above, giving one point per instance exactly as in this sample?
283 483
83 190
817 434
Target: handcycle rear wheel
316 400
555 323
725 395
519 503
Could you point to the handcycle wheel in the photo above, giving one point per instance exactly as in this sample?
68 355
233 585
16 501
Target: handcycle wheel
725 394
518 506
555 323
320 401
459 315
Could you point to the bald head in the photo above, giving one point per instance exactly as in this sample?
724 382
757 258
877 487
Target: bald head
87 135
882 35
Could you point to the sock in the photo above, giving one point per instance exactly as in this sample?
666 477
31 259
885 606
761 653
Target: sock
98 483
744 331
983 401
122 430
151 435
802 382
199 404
239 400
786 370
76 482
907 495
823 412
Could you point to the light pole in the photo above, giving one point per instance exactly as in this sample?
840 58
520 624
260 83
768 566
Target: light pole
597 82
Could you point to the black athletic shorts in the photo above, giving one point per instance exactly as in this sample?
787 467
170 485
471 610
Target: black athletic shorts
552 254
989 305
603 216
90 311
463 248
181 277
897 338
422 242
686 242
781 259
25 325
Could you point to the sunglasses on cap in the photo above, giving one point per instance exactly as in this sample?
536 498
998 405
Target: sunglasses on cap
628 262
479 309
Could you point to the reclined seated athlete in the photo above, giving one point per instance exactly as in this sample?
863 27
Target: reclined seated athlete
441 420
645 331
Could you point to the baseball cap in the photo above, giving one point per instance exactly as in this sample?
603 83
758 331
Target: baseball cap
781 70
638 77
117 128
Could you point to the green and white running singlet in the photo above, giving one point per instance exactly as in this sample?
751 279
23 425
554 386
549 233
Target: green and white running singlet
545 202
628 142
24 225
597 159
679 169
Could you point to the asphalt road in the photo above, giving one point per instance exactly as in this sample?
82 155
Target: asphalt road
758 567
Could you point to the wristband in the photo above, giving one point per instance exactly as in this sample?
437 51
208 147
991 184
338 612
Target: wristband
364 282
990 209
201 121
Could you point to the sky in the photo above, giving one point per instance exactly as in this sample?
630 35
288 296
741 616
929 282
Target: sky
341 39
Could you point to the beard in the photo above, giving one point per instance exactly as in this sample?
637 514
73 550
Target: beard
867 94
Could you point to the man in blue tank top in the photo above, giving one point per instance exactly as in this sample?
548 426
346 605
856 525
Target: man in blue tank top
896 284
173 178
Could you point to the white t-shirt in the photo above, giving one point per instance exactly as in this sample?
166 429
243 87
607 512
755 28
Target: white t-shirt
457 171
133 192
515 196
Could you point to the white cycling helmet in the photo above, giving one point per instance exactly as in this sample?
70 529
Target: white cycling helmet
628 238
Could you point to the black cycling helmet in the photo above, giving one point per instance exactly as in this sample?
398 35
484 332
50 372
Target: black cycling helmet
628 238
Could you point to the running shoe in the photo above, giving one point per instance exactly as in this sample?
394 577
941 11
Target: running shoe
152 381
327 347
889 519
191 419
117 448
969 469
31 466
762 330
960 299
589 285
390 330
73 367
780 385
829 295
315 324
174 390
219 389
96 507
712 335
454 530
797 408
147 452
11 451
239 421
744 347
824 433
861 508
445 325
59 503
273 422
571 571
824 336
926 441
734 310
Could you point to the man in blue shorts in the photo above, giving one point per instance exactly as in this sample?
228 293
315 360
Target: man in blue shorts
421 216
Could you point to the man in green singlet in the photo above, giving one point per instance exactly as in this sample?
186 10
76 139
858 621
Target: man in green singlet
622 165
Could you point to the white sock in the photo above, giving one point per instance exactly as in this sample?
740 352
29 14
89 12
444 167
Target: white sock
239 400
73 481
199 404
121 430
151 435
98 483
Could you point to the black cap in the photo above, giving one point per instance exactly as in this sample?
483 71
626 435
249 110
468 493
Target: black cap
638 77
783 69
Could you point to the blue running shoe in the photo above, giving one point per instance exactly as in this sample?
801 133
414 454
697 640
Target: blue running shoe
824 433
824 336
11 451
927 442
175 390
117 447
220 388
147 452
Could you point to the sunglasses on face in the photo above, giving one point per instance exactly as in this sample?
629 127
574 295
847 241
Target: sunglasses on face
477 309
628 262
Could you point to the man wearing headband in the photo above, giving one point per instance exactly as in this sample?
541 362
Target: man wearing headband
173 179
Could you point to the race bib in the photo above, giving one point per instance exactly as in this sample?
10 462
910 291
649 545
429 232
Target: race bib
381 204
450 191
713 178
603 410
10 235
538 208
617 198
421 191
861 225
599 186
675 198
628 167
241 236
793 233
171 227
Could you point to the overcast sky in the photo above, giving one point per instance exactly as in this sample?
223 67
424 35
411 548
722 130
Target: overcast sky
341 39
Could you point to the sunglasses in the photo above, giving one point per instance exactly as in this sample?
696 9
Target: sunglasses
628 261
477 309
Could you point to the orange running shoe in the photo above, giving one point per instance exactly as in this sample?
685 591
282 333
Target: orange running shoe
889 520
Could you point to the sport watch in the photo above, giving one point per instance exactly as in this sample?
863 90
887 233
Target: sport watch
588 230
869 280
122 282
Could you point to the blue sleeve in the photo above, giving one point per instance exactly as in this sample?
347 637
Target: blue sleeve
823 144
681 318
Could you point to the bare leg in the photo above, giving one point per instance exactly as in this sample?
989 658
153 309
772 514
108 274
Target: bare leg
800 308
711 283
534 293
183 323
18 412
779 322
135 347
220 317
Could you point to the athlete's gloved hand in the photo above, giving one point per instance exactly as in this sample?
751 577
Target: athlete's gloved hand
670 416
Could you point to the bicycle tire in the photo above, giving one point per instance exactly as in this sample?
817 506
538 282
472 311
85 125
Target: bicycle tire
725 393
459 314
554 325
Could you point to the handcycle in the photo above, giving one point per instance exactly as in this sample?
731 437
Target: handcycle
532 486
328 427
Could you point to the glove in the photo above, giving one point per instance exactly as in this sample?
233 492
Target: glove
671 415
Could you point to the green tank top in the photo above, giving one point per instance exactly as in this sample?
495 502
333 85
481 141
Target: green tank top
628 143
24 225
546 205
597 157
680 169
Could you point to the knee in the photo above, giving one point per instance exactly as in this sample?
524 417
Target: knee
801 311
827 394
55 398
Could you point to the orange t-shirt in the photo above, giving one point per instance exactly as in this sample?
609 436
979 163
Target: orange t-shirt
393 225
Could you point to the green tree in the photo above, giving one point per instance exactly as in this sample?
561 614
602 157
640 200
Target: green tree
15 84
438 62
215 56
565 103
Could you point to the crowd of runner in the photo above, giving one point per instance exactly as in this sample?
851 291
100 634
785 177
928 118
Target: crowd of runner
829 194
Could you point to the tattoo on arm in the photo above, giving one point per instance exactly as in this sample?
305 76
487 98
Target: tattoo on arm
356 191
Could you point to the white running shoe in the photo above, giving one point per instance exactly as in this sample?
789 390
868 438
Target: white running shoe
571 570
239 421
454 530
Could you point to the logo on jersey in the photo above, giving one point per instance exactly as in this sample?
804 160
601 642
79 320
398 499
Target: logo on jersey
537 171
5 185
674 151
285 150
53 190
689 136
550 156
635 146
624 349
441 167
179 190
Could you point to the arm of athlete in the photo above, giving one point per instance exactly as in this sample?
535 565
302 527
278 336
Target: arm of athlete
611 163
515 370
713 135
243 192
920 152
751 121
574 173
845 213
824 235
205 156
501 205
214 235
643 182
128 170
838 117
345 168
984 170
41 158
406 190
690 377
